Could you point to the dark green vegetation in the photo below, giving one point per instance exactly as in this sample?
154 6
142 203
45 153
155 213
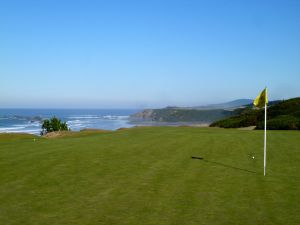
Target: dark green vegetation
54 124
147 176
284 115
181 115
189 115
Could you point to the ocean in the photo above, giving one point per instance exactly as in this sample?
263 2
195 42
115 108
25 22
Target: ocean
30 120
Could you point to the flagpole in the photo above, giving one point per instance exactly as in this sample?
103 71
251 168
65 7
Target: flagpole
265 140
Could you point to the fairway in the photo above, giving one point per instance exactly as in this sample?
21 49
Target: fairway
147 175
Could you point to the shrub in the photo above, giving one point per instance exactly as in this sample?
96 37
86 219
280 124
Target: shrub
54 124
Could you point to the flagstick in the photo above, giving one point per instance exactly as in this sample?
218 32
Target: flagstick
265 140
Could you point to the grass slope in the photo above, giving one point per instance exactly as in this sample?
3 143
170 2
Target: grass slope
147 176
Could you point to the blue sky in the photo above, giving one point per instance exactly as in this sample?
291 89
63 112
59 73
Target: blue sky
136 54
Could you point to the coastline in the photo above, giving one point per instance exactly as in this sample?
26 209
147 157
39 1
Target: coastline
30 120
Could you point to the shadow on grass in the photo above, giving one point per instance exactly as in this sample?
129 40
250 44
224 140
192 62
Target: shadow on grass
222 164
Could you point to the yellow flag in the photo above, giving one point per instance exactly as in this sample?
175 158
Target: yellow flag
261 99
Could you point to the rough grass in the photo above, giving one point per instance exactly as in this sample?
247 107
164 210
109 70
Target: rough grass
84 132
147 176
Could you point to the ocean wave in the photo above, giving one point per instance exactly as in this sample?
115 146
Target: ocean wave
76 125
35 124
10 128
72 122
24 125
17 127
108 117
123 117
23 131
84 117
113 117
21 126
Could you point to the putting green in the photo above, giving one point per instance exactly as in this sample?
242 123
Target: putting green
148 176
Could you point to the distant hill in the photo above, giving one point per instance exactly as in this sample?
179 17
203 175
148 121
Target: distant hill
200 114
282 115
173 115
227 105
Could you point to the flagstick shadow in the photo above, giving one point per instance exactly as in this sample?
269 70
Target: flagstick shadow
222 164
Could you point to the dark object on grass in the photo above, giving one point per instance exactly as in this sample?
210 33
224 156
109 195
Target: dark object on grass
224 165
193 157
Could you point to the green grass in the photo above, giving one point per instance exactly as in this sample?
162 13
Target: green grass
146 176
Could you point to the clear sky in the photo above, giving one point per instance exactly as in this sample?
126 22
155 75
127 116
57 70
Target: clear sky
135 54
